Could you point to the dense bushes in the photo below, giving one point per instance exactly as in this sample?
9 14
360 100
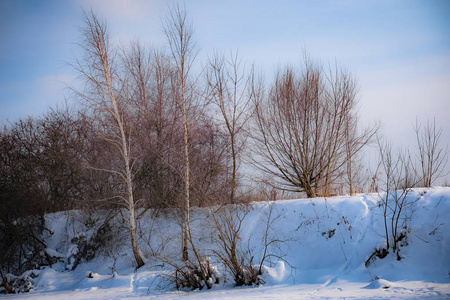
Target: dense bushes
56 162
22 244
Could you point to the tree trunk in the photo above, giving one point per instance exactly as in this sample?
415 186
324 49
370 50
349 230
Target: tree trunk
126 158
134 246
186 204
187 183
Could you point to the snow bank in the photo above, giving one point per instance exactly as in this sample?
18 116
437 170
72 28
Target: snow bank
379 284
275 275
325 244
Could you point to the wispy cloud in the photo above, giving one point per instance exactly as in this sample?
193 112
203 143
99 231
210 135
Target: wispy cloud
120 10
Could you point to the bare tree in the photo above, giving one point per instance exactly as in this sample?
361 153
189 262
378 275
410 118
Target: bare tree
41 167
228 223
228 85
23 199
303 125
432 158
354 166
180 32
237 255
398 179
107 94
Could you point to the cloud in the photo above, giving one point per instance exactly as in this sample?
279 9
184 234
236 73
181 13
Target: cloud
130 19
123 10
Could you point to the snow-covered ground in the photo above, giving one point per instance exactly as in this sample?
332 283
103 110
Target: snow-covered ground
326 244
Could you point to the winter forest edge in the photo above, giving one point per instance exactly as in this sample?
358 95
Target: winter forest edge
180 171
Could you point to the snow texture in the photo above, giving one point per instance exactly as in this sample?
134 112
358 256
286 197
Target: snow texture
327 242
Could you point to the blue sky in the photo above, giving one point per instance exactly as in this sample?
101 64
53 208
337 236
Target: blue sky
399 51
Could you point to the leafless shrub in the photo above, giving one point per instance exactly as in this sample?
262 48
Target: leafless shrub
271 241
197 272
93 233
22 243
196 276
235 254
431 156
399 177
228 224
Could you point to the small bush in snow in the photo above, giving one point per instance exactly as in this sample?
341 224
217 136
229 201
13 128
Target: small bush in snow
18 284
380 253
250 275
89 274
231 250
81 248
85 248
193 276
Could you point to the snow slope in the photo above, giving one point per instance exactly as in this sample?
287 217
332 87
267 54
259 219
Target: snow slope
326 244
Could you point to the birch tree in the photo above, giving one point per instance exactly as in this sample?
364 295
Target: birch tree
106 94
180 36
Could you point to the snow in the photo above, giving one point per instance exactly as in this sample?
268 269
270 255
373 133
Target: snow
275 275
379 284
326 244
54 253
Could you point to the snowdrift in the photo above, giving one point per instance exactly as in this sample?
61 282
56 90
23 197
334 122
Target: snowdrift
325 243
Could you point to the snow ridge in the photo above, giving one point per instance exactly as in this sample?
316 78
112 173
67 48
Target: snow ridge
327 242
